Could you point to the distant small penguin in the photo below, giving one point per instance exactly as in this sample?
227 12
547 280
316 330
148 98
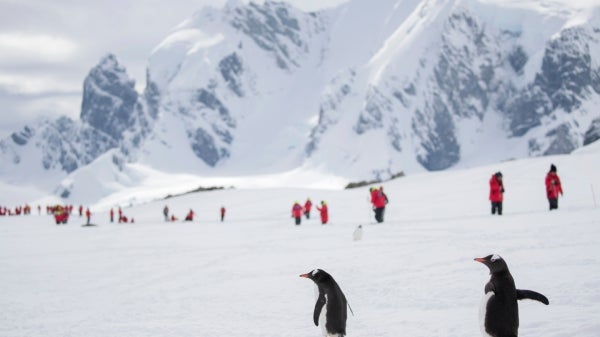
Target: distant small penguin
358 233
330 310
499 311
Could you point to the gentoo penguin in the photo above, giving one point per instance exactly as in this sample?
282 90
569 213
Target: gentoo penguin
330 310
499 311
358 233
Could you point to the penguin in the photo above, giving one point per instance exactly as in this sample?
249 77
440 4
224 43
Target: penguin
330 310
499 311
358 233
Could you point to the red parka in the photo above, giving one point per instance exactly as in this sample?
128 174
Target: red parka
190 216
377 198
324 213
297 210
307 206
553 187
496 189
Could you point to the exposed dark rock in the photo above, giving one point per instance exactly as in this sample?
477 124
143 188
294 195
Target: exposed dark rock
67 145
271 27
593 132
210 101
526 110
563 141
566 69
152 96
517 59
441 147
22 137
204 147
109 98
231 68
377 104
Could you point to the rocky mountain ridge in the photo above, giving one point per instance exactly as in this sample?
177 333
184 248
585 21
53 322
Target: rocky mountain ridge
248 89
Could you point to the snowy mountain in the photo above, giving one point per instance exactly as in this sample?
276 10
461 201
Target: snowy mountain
360 91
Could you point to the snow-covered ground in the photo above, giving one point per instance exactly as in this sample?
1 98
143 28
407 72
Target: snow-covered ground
414 275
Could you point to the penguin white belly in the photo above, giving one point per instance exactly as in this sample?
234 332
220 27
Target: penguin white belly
482 312
323 319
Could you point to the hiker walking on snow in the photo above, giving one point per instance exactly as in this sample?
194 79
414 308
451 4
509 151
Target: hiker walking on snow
324 212
297 212
166 213
222 213
88 215
307 207
378 200
496 193
553 187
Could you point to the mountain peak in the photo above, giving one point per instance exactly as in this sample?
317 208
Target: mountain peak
359 91
109 98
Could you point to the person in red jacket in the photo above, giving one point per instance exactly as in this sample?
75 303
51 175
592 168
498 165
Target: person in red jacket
324 212
378 200
112 215
189 216
307 207
553 187
496 193
88 215
222 213
297 212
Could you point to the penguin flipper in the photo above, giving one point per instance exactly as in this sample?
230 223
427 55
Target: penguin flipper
318 307
531 295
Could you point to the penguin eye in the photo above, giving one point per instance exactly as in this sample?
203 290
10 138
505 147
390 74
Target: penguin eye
495 258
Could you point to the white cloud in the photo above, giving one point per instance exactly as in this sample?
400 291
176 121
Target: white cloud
22 48
27 84
48 47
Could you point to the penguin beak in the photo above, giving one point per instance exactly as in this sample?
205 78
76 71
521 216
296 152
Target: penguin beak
305 275
480 259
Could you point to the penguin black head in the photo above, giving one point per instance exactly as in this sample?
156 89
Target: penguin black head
318 276
494 262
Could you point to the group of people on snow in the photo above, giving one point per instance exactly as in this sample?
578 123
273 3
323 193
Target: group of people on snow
18 210
299 210
122 218
189 216
26 210
553 190
378 200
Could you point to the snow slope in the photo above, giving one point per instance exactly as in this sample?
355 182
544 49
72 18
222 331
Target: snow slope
414 275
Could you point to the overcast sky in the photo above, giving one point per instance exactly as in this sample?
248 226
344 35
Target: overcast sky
47 47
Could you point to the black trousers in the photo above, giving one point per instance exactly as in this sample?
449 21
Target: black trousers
497 207
379 212
298 219
553 203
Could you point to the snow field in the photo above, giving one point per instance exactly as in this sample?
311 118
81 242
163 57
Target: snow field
414 275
